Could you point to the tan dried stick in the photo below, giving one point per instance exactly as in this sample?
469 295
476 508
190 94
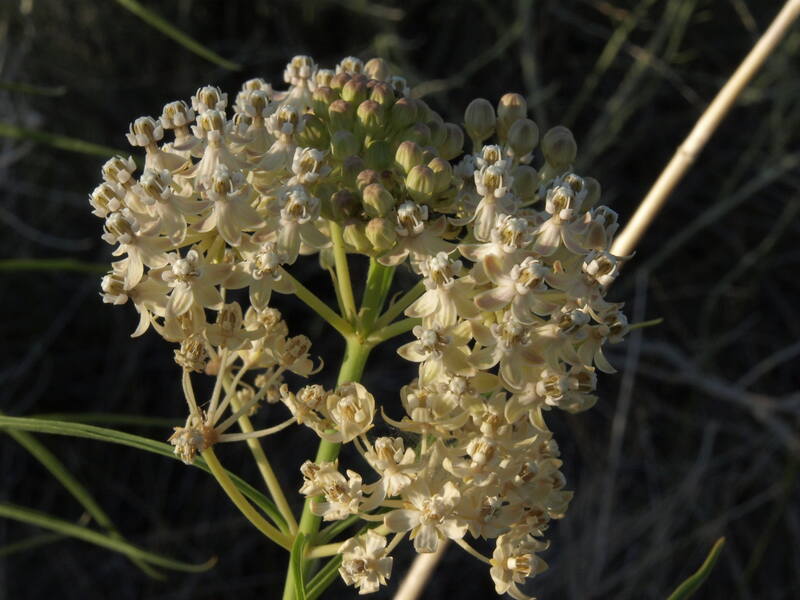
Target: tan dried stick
691 147
421 570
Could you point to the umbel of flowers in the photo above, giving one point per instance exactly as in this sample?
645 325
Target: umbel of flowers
508 319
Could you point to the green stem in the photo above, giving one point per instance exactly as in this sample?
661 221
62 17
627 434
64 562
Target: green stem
319 307
241 502
343 272
265 468
355 357
398 307
379 280
393 330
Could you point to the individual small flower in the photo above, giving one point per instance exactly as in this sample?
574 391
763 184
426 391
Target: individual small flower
298 218
209 98
446 297
430 515
513 561
564 225
307 406
261 272
522 286
441 350
228 332
231 212
416 236
192 439
343 497
193 281
394 463
364 562
307 165
351 409
141 247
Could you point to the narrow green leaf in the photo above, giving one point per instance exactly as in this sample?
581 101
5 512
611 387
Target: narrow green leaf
324 578
91 418
168 29
643 324
74 487
61 142
335 528
30 543
35 90
694 581
296 560
50 264
113 436
34 517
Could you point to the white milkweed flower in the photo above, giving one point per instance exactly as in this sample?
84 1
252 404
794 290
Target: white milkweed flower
193 281
364 562
513 561
350 409
429 515
447 297
394 463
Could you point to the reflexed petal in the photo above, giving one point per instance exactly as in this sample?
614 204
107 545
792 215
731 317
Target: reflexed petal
425 305
496 299
207 296
401 519
427 539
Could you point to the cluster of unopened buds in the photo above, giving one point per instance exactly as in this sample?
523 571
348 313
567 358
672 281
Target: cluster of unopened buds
508 319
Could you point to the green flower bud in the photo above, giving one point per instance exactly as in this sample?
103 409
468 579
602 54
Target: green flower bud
424 112
438 131
559 147
366 177
383 94
313 134
354 235
511 108
479 121
338 80
453 144
322 99
344 144
381 234
351 167
443 174
523 136
418 132
526 182
377 200
376 68
355 91
421 183
378 155
402 114
344 205
341 114
371 117
408 156
593 192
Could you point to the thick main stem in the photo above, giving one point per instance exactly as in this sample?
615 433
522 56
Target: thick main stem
355 357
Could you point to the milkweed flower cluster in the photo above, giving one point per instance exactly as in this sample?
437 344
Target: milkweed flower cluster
509 319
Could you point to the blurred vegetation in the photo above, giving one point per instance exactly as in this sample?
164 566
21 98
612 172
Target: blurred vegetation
696 438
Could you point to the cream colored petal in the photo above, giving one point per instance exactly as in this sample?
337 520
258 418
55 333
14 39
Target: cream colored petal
401 520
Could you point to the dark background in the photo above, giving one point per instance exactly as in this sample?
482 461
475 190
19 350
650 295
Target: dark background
695 438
